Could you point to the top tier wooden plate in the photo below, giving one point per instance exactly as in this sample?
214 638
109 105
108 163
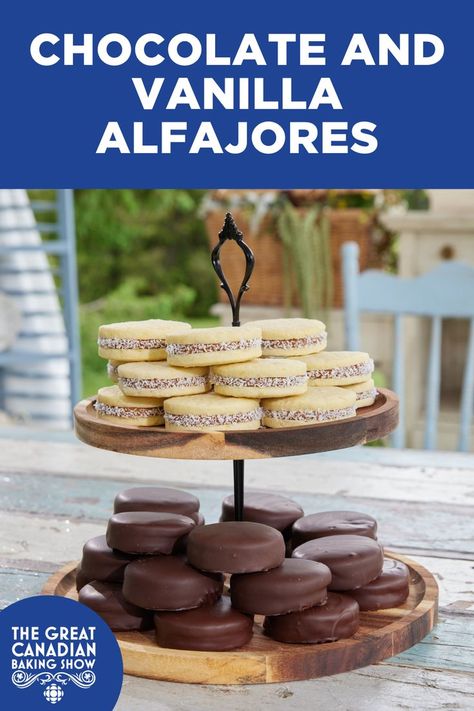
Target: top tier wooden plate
371 423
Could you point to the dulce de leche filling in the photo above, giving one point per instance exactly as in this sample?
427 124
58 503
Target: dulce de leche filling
190 348
213 420
259 382
311 415
103 409
125 344
343 371
157 383
290 343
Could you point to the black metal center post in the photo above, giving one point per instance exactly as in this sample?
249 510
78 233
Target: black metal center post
230 232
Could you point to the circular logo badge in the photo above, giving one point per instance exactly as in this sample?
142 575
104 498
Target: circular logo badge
57 652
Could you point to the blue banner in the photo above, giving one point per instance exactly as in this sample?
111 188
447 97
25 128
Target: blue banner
242 95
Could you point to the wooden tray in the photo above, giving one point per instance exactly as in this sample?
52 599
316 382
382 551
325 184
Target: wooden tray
381 635
371 423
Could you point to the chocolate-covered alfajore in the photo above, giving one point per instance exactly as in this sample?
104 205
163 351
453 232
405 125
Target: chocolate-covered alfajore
337 619
217 627
262 507
332 523
108 601
147 532
100 562
390 589
294 585
235 547
353 561
156 498
169 583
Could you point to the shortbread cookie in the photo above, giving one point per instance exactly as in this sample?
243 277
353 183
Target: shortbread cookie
315 405
365 393
291 336
338 368
113 405
213 346
137 340
161 380
112 369
262 377
212 412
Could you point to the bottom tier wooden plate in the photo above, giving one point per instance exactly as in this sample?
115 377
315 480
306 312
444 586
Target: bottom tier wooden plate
381 635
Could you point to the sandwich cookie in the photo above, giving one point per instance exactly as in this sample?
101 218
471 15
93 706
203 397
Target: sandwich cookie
365 393
294 585
262 507
339 368
156 498
100 562
169 583
147 532
217 627
337 619
108 601
113 405
161 380
210 412
314 406
354 561
137 340
291 336
235 547
332 523
390 589
263 377
213 346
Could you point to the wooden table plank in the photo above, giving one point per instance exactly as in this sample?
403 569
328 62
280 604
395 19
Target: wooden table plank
316 473
402 525
381 688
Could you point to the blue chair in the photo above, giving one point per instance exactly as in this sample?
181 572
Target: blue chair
445 292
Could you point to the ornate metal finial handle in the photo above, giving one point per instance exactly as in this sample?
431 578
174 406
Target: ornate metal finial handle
230 232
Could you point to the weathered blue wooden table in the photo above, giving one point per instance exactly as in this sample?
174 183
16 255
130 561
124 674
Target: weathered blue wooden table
53 496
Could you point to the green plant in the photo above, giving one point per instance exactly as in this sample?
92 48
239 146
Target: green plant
305 237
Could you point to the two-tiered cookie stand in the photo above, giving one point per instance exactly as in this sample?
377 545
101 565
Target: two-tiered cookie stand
381 634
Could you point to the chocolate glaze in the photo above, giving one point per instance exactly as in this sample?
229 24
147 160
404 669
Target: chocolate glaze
332 523
108 601
210 628
100 562
294 585
169 583
337 619
354 561
261 507
388 590
156 498
198 518
81 579
147 532
235 547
